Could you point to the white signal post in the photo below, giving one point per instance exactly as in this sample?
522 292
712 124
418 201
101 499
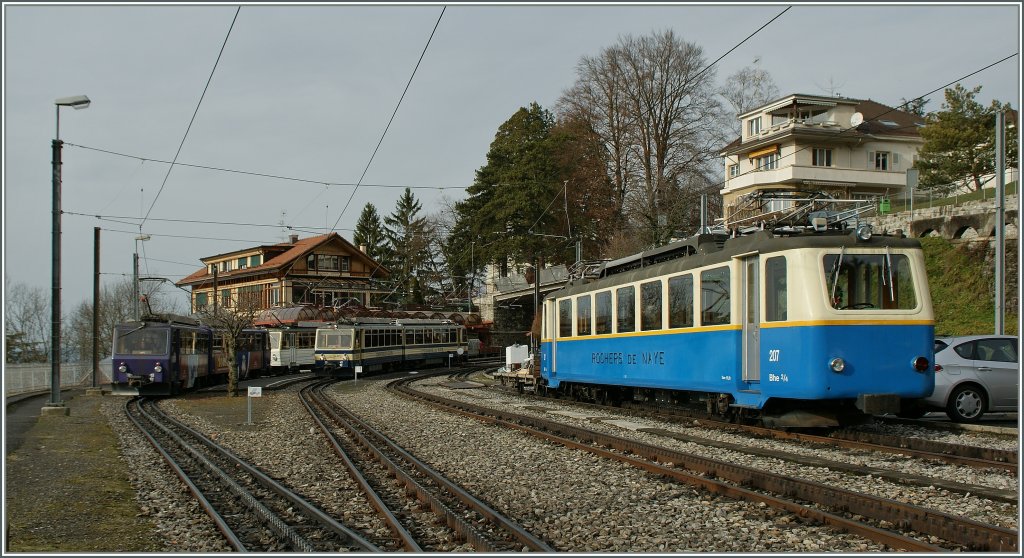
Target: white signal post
254 391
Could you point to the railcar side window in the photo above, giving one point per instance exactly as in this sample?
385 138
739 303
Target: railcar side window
565 318
625 309
714 297
603 313
869 281
775 289
680 301
583 315
650 305
188 342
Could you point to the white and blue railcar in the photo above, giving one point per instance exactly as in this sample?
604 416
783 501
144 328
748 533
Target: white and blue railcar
813 329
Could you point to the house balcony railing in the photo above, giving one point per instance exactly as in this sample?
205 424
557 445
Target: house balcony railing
797 174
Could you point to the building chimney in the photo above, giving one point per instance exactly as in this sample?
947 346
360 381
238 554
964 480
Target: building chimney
362 248
294 238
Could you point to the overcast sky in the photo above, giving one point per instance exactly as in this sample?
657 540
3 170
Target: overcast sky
305 93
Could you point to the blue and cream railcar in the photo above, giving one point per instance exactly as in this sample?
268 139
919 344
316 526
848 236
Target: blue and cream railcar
803 330
380 344
161 357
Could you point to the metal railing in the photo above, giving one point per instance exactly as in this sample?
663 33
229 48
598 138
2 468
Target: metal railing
23 378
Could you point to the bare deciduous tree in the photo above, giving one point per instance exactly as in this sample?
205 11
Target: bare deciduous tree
747 89
27 322
230 323
652 102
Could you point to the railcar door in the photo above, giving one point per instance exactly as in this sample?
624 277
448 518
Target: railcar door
751 319
552 327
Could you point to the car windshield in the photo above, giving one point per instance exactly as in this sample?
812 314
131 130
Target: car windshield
869 281
142 341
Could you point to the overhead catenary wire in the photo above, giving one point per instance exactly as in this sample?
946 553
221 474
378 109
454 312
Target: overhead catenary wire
393 114
260 174
194 113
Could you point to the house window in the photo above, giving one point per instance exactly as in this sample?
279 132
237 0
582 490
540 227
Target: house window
734 170
880 159
243 263
767 162
346 263
225 298
754 126
822 157
200 301
254 261
326 262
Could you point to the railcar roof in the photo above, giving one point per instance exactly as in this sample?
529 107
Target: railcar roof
703 253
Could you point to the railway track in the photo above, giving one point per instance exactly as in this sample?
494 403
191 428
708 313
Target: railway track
252 511
920 529
972 456
390 476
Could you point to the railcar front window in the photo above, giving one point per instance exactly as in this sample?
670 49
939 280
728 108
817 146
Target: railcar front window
869 281
142 342
333 340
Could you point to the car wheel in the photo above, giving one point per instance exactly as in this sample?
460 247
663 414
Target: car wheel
966 404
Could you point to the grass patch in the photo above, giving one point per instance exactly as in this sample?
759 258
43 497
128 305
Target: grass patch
962 288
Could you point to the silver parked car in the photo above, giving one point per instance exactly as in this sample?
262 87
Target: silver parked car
974 374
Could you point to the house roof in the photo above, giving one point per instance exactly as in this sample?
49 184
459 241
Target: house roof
284 254
879 120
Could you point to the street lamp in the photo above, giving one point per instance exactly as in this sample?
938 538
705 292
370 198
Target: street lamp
78 102
135 268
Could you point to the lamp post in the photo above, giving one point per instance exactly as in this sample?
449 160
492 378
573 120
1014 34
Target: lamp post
135 275
78 102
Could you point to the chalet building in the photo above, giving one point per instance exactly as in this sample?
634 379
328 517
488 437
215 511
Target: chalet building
324 270
846 148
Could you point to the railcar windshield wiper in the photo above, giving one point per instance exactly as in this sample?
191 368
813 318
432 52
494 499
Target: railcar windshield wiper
888 274
835 270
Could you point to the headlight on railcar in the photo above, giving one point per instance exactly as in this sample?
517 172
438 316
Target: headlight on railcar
158 369
122 369
864 233
837 365
921 364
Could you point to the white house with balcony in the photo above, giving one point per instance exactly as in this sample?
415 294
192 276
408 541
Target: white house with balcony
850 149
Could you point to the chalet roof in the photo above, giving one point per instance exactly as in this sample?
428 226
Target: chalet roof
879 120
281 255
